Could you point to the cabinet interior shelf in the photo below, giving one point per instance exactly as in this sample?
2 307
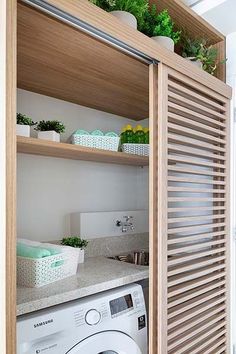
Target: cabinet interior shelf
76 152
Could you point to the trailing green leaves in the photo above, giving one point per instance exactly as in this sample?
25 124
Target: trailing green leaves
74 241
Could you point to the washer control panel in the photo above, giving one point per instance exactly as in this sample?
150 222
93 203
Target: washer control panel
92 317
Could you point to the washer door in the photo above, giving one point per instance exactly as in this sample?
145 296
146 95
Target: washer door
106 343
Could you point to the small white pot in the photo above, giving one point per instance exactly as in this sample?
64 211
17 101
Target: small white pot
166 42
23 130
126 18
49 135
197 63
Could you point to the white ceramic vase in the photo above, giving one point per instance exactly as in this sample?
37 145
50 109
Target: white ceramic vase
126 18
195 62
23 130
166 42
49 135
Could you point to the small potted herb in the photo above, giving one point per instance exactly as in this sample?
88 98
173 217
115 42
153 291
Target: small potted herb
130 12
191 49
23 124
50 130
78 243
160 27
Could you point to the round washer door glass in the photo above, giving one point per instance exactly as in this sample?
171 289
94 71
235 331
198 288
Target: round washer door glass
110 342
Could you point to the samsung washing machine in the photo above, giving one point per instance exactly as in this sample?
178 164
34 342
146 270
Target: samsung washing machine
113 322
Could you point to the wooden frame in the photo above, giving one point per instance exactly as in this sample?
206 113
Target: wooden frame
190 243
11 179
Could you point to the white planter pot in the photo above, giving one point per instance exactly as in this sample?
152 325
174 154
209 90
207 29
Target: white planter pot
49 135
166 42
23 130
126 18
197 63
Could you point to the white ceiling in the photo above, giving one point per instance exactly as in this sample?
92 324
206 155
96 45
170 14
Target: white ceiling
220 13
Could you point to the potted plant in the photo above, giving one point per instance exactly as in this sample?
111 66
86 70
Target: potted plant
130 12
191 50
23 124
78 243
50 130
160 27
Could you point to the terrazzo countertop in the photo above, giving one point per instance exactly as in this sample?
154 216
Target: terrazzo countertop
95 275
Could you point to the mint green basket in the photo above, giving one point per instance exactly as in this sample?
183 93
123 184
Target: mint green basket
98 142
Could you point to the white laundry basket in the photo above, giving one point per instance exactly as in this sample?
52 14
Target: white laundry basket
99 142
136 149
34 273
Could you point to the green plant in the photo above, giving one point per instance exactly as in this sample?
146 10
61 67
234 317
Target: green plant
159 24
50 125
135 7
74 241
199 49
191 47
22 119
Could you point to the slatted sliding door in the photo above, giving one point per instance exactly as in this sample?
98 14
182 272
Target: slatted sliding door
189 220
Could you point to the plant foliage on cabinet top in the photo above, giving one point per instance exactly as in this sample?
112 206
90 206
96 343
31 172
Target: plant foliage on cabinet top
159 24
135 7
49 125
74 241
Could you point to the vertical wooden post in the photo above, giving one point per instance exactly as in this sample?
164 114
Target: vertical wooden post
11 179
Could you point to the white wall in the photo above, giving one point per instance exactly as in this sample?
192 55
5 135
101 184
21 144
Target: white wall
49 188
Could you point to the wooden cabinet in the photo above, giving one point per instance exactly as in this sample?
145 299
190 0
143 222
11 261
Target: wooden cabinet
76 52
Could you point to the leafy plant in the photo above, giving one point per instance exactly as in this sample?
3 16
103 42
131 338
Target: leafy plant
50 125
199 49
22 119
191 47
74 241
159 24
135 7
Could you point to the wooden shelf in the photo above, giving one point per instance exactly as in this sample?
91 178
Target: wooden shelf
75 152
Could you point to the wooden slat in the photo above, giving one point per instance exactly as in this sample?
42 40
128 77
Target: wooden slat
195 218
179 129
193 332
196 209
190 314
196 237
194 274
183 101
177 300
193 200
178 289
196 321
200 338
195 152
196 190
196 96
213 348
187 141
196 181
196 162
220 333
195 255
195 228
192 266
185 170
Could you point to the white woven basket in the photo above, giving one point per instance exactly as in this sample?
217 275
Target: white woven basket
98 142
136 149
34 273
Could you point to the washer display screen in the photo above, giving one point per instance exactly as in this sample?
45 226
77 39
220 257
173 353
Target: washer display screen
121 304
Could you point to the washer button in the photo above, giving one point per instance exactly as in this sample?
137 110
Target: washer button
92 317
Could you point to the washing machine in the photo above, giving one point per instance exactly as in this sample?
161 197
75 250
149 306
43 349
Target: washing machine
113 322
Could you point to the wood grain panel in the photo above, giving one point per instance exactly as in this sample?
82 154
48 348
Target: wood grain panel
11 179
57 60
76 152
193 220
105 22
